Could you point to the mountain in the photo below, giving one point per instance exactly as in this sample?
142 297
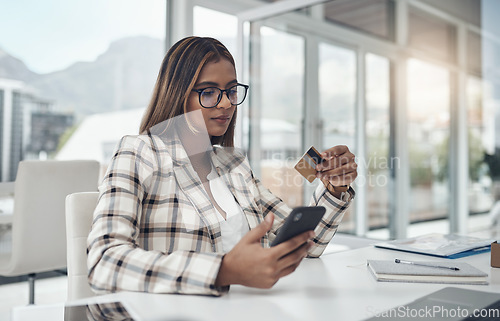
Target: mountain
13 68
121 78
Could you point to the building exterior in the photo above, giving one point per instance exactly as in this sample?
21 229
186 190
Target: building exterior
12 122
27 126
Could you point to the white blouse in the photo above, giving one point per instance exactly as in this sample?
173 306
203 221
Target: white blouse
235 226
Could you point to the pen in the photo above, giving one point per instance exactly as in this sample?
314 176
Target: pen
427 265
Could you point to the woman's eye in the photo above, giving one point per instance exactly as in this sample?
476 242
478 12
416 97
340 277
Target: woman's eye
208 92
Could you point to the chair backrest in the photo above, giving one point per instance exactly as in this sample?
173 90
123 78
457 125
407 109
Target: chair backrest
79 212
38 225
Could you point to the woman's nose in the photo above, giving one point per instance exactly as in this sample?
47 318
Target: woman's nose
224 102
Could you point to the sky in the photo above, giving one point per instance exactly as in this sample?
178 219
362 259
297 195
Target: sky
50 35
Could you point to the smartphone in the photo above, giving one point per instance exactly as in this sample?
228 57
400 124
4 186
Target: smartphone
107 311
301 219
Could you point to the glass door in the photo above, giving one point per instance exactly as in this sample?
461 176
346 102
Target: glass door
379 163
277 109
428 140
337 104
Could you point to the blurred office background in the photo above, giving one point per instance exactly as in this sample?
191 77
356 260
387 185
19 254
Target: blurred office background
411 86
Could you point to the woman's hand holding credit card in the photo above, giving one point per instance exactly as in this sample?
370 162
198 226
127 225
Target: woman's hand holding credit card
336 167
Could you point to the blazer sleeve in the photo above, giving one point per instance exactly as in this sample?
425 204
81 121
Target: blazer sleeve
327 227
115 260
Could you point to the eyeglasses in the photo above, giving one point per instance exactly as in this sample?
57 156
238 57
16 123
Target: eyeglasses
211 96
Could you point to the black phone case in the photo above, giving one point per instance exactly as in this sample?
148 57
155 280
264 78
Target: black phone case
301 219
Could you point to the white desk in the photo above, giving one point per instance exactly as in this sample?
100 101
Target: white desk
337 286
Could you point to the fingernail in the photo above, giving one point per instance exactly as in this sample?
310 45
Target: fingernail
311 235
268 218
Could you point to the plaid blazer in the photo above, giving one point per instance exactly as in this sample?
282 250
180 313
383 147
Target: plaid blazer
155 229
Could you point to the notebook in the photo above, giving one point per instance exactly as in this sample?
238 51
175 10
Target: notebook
442 245
450 303
434 272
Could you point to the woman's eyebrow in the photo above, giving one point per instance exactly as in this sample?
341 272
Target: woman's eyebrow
214 84
207 83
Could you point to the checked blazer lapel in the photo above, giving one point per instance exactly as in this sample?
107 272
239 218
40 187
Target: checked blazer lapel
191 186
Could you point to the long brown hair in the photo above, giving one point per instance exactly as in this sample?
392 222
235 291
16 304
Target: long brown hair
177 76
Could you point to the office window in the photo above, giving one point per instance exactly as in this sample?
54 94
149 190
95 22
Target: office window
428 140
337 93
375 17
281 109
281 113
1 133
224 30
378 125
432 35
73 61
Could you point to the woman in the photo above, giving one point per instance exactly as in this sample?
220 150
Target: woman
180 210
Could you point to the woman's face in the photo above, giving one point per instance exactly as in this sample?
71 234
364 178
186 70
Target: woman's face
220 74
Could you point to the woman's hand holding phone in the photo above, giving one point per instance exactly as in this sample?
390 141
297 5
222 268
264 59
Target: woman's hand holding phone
249 264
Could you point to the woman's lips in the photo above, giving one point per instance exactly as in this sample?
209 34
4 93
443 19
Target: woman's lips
222 119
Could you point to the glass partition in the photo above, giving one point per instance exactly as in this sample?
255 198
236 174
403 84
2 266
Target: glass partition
281 87
305 91
428 140
224 30
337 93
379 162
337 103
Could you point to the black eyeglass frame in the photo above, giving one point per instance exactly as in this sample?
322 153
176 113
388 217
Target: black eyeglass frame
219 98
